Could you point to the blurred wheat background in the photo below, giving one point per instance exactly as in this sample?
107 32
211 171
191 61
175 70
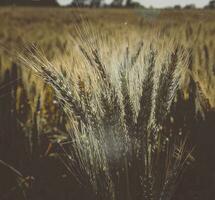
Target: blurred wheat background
33 124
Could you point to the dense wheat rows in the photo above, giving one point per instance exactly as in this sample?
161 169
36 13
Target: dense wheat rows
93 59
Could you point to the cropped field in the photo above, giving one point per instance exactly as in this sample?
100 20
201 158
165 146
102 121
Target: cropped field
33 123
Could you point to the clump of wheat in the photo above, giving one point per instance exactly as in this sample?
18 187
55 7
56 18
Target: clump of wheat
117 99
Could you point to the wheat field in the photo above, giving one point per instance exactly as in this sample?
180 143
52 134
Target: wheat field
107 104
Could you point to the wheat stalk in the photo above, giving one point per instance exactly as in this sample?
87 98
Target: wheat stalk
117 113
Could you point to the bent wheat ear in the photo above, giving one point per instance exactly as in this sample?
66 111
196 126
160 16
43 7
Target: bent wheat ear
63 88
